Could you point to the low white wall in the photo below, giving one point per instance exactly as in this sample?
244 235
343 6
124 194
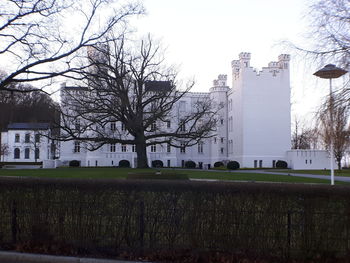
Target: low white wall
309 159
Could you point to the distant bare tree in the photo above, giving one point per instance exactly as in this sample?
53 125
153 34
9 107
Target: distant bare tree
122 103
335 128
38 47
302 137
330 27
4 150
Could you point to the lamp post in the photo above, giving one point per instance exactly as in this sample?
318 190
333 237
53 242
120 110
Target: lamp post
330 72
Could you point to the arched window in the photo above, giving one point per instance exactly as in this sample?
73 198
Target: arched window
17 153
26 153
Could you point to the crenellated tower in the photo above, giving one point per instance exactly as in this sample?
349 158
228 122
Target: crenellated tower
259 112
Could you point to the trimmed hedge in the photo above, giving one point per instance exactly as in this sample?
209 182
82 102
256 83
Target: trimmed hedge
124 164
157 164
218 164
190 164
74 163
109 217
281 164
233 165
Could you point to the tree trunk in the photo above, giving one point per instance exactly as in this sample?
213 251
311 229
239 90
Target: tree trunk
339 163
141 152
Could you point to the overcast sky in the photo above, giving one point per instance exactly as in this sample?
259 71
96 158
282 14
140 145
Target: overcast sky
203 37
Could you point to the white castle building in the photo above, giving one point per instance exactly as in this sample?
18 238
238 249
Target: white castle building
253 127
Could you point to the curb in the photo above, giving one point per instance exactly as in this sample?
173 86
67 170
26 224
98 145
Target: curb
16 257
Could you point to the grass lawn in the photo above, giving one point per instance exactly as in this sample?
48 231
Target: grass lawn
121 173
344 172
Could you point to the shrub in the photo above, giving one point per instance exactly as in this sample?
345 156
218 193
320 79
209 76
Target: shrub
233 165
190 164
124 164
281 164
157 164
74 163
218 164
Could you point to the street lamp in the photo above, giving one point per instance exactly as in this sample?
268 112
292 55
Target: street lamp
330 72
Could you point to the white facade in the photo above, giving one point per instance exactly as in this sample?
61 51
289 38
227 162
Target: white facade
27 142
309 159
253 127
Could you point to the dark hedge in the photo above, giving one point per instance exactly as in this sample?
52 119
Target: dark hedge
110 216
190 164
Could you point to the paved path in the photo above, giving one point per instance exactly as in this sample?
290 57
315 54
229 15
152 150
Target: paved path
317 176
16 257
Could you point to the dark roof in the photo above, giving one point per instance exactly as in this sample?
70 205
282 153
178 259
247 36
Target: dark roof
28 126
158 86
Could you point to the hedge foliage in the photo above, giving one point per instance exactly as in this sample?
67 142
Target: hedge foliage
157 164
124 164
233 165
74 163
281 164
110 216
190 164
218 164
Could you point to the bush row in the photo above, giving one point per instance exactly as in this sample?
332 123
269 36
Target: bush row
112 216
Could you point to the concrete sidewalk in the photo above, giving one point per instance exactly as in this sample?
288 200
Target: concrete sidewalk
16 257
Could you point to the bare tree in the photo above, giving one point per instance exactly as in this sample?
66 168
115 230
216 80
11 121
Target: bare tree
37 44
303 137
124 102
4 150
335 128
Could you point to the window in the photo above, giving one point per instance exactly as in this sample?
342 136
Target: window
153 126
153 148
222 140
168 163
16 137
222 150
17 153
222 121
113 126
112 148
183 163
37 138
305 161
168 148
168 124
27 138
260 163
200 147
37 153
123 147
182 127
214 139
26 153
133 148
255 163
77 125
183 148
310 161
123 127
76 147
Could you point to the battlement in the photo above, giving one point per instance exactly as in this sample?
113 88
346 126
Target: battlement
244 56
221 81
273 67
284 57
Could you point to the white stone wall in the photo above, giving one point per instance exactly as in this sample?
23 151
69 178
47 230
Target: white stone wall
253 122
260 112
309 159
8 137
